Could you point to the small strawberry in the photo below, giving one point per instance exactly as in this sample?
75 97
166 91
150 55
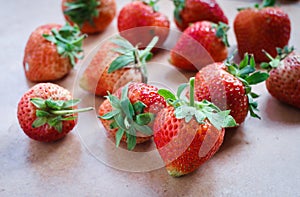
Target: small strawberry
139 22
188 133
92 16
115 64
262 27
228 86
128 114
200 44
190 11
47 112
284 80
51 52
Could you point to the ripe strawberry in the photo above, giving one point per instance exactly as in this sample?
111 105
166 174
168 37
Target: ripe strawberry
128 114
190 11
51 52
284 80
200 44
92 16
187 134
47 112
142 22
115 64
261 28
229 87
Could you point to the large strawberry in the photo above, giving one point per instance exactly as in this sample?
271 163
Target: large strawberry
128 114
139 22
47 112
200 44
92 16
51 52
190 11
115 64
228 86
262 27
188 133
284 80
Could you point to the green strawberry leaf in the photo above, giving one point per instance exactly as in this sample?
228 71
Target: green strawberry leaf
113 125
139 107
42 113
56 105
69 118
58 127
166 94
71 103
144 119
221 32
131 139
143 129
120 62
256 78
38 103
179 6
119 136
180 90
110 114
39 122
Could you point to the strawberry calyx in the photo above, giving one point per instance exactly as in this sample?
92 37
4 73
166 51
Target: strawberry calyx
54 112
248 75
264 4
153 4
131 56
179 6
282 53
188 109
68 41
128 118
221 32
81 11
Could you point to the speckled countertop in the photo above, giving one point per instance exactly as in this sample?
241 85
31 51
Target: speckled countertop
260 158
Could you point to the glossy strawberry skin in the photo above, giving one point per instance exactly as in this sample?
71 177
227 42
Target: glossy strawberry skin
197 47
200 10
136 92
284 81
215 84
266 29
184 146
139 23
107 11
27 112
41 61
96 78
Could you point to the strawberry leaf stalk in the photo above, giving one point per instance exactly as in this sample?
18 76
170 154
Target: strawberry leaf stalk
132 56
248 75
54 112
68 41
128 118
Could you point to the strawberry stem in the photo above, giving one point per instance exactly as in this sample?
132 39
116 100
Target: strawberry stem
192 91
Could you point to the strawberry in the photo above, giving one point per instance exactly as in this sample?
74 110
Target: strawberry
188 133
200 44
47 112
51 52
190 11
228 86
92 16
139 21
262 27
128 114
284 80
115 64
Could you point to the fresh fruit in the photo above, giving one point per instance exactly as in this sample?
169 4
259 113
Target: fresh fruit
139 22
284 80
47 112
190 11
128 114
228 86
262 27
115 64
92 16
200 44
51 52
188 133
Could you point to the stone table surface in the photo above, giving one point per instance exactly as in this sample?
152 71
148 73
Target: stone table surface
260 158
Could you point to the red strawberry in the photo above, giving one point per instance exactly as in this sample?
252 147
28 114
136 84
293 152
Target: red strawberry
187 134
51 52
200 44
229 87
190 11
92 16
127 114
284 80
47 112
115 64
262 28
142 21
